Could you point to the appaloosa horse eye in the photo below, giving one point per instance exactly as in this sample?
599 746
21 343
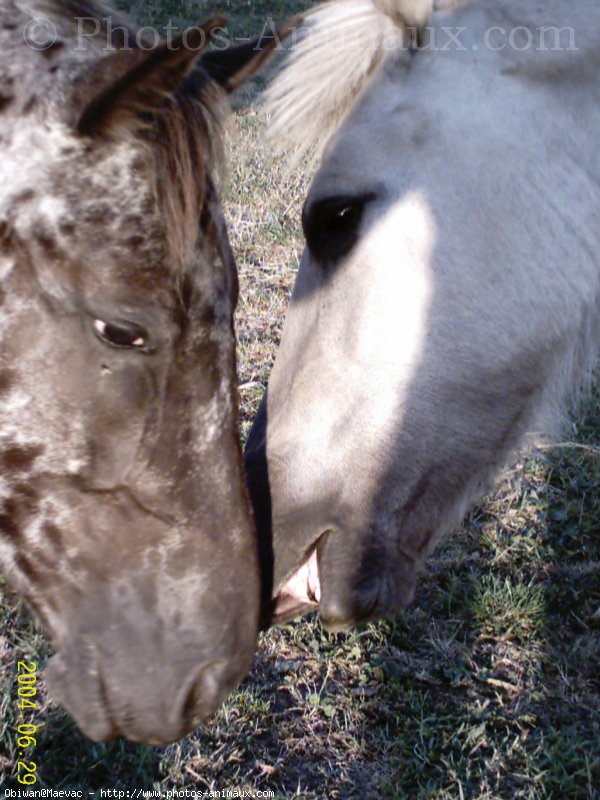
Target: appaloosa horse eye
122 334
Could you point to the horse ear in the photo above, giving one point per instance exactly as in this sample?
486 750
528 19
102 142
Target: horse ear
232 67
132 82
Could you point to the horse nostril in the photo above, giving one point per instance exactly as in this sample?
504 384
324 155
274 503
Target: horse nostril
208 690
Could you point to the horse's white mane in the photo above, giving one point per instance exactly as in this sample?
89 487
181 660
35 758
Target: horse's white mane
341 45
343 42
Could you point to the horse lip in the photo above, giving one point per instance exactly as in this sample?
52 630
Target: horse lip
99 726
300 593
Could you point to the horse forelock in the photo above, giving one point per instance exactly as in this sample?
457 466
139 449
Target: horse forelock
187 151
182 137
339 50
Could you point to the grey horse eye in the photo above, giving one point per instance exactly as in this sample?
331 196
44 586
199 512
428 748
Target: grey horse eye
121 334
331 227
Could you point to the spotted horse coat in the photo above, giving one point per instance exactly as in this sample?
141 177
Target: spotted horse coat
124 520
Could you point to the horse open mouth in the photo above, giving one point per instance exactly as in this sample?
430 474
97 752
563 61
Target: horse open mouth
300 594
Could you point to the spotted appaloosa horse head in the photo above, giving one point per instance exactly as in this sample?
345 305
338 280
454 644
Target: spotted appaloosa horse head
124 519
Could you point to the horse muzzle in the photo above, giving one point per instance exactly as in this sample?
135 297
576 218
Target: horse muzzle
150 695
349 585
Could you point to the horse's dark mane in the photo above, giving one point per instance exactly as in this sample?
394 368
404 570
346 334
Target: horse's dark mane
183 133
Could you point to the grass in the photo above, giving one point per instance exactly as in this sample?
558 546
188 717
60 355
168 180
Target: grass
487 687
245 17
